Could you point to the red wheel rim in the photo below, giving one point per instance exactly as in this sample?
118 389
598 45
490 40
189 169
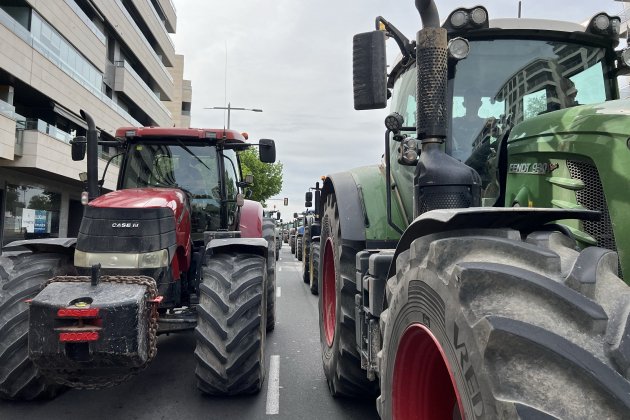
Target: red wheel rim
423 384
329 293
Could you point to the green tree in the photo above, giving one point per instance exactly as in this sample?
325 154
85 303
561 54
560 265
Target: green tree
267 176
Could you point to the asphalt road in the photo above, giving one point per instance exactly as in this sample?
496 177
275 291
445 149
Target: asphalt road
295 387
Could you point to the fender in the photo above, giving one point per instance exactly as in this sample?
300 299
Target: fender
250 222
62 245
518 218
256 246
362 204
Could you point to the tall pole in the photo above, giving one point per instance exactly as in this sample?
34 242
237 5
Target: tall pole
230 108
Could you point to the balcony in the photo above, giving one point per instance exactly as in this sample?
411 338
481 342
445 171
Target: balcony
127 81
168 8
46 149
157 28
128 31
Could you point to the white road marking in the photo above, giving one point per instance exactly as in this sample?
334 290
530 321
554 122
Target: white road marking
279 268
273 387
278 291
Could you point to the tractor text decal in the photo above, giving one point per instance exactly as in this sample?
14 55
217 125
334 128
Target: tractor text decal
125 225
532 168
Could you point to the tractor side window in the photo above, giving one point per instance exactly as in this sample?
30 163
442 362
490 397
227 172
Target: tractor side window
231 183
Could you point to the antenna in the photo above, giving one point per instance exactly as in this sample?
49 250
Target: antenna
225 87
520 4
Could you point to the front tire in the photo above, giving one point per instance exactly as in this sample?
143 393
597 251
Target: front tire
21 278
231 325
298 248
306 254
342 364
486 325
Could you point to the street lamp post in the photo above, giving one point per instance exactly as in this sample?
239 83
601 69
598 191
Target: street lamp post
232 108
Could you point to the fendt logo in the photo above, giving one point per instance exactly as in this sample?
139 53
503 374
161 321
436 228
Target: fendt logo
126 225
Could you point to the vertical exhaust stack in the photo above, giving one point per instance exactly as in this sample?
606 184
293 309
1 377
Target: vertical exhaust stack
440 181
92 156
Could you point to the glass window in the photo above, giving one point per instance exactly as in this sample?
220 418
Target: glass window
31 212
231 183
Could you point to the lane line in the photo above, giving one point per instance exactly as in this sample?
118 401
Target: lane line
273 386
278 292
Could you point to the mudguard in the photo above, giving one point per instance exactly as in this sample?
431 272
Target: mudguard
362 203
251 219
519 218
256 246
45 244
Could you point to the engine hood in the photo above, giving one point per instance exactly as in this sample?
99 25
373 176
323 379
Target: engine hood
609 118
143 198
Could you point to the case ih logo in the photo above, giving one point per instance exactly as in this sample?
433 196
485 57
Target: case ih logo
126 225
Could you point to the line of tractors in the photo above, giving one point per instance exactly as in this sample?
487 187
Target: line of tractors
475 273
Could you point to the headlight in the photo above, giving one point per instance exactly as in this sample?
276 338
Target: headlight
459 19
458 48
155 259
479 16
602 22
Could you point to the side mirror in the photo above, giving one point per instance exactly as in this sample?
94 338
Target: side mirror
308 196
78 146
369 70
278 216
295 215
267 150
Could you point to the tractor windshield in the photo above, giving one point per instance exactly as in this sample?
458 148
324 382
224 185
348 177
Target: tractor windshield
503 82
191 168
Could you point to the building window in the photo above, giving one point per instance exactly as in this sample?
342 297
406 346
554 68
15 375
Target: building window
30 212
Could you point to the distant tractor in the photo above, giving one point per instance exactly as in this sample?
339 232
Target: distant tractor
310 241
456 279
176 247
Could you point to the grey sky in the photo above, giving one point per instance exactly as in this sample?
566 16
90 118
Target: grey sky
293 59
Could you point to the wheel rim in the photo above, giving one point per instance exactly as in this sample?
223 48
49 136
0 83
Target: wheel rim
329 293
423 384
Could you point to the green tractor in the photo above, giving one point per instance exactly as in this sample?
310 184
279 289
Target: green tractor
482 277
310 239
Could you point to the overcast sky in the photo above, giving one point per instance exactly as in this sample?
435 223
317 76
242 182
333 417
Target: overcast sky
293 59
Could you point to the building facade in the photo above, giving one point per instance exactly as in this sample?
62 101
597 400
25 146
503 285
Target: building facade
111 58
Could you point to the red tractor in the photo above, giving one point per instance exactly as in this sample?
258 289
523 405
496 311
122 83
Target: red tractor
176 247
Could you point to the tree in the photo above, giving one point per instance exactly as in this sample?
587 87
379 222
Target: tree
267 176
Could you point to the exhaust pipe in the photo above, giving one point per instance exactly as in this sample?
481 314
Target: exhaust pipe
428 13
92 156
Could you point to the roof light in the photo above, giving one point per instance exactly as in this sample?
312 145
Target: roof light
458 48
616 25
85 198
459 18
211 135
479 15
625 57
130 133
394 121
601 22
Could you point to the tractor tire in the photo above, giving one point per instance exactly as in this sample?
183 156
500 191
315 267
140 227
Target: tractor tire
298 248
269 227
292 245
22 278
484 324
231 325
314 263
342 363
306 253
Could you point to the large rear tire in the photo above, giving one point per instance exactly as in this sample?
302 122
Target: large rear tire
231 325
269 227
342 364
485 325
314 263
298 248
21 278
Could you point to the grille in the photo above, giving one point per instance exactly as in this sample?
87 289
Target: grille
592 197
443 200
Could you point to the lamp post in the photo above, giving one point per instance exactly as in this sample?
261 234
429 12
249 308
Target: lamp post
232 108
